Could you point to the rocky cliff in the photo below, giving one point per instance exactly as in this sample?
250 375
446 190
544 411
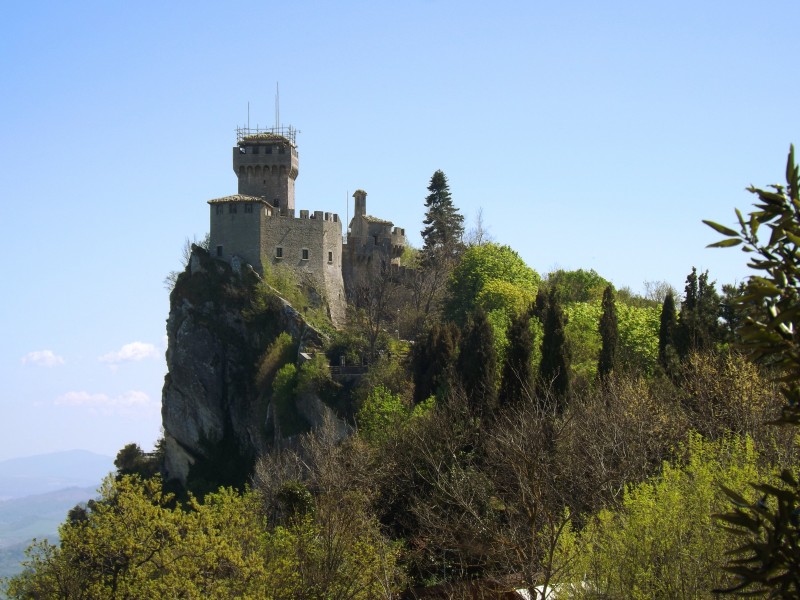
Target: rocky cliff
216 407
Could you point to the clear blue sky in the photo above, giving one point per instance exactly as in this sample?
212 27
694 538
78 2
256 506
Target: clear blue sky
592 134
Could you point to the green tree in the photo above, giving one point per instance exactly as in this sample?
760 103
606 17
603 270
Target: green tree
638 338
484 265
380 415
132 460
609 334
433 359
477 364
577 286
698 324
517 379
768 560
662 542
133 543
583 338
554 367
666 334
444 225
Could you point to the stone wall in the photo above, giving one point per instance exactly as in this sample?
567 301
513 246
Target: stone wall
311 246
236 225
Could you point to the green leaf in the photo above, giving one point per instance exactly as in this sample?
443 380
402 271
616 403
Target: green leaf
720 228
725 243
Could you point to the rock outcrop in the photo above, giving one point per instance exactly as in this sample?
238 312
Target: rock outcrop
221 323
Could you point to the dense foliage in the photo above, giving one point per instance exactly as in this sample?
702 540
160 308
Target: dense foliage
536 434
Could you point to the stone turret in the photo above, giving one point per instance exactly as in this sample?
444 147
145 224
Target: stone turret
266 163
361 203
372 244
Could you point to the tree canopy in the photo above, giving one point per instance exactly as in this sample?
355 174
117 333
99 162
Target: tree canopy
482 270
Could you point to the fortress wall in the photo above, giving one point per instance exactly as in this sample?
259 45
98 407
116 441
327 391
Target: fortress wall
321 238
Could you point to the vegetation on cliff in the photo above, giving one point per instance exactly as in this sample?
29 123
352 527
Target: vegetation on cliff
539 431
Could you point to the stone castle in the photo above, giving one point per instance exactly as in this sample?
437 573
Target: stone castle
259 224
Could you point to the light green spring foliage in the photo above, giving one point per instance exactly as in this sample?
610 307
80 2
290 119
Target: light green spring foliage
279 353
577 286
502 300
663 541
337 553
285 382
384 414
314 374
496 279
134 545
638 337
583 337
486 265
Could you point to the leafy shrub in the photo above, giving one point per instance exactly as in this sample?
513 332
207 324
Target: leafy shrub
280 352
663 542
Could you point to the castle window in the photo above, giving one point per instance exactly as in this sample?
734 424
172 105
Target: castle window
278 252
330 257
268 150
232 208
281 150
255 149
219 251
219 209
276 202
304 253
248 208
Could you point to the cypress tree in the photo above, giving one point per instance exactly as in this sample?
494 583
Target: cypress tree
477 364
517 380
609 334
539 308
432 361
709 312
554 367
666 334
698 324
444 225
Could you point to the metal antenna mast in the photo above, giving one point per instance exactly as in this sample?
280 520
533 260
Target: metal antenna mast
277 106
248 114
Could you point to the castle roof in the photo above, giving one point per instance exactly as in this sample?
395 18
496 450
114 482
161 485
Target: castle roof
238 198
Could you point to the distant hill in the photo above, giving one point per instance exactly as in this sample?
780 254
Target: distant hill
39 516
45 473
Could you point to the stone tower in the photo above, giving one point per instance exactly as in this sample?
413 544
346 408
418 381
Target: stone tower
266 164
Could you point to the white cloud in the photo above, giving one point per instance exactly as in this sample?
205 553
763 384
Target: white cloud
130 352
43 358
132 402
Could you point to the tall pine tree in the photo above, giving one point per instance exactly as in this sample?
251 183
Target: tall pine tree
444 225
609 335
